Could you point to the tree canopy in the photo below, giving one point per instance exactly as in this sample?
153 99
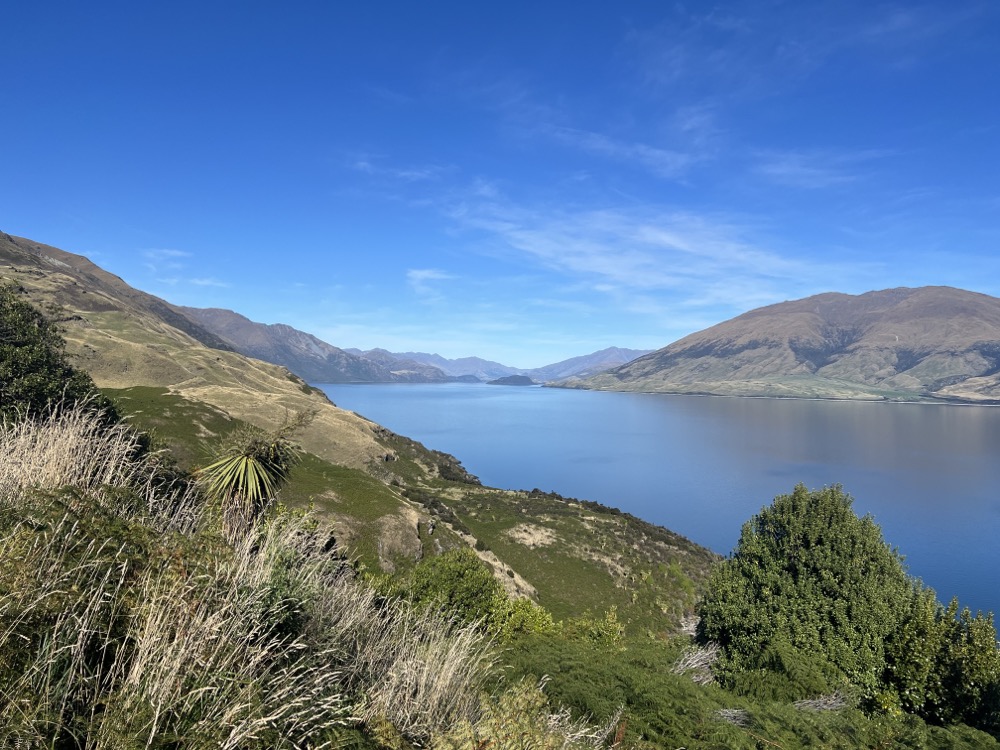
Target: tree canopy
809 575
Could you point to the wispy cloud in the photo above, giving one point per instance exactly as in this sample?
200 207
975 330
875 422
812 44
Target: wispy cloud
421 281
905 34
163 260
376 167
647 258
166 264
616 134
160 254
814 169
660 161
758 50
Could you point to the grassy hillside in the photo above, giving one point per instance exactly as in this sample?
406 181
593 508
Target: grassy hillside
535 541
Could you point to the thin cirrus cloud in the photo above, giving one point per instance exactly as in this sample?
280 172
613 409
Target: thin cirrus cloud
759 50
662 162
659 254
160 260
814 170
209 282
373 165
166 263
421 280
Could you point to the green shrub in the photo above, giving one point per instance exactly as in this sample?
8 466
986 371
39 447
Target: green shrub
808 582
35 373
812 600
458 582
944 664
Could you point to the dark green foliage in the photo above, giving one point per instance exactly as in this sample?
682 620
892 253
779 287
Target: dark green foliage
810 587
457 581
813 600
464 587
665 710
35 374
944 664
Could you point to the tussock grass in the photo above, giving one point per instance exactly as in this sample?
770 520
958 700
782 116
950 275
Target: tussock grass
127 620
75 448
520 719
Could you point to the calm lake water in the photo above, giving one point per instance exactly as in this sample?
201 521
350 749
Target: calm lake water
702 466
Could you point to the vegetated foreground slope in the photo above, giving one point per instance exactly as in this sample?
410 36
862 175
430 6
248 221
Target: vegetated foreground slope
900 344
381 489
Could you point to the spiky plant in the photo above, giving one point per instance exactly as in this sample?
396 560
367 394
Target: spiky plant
251 466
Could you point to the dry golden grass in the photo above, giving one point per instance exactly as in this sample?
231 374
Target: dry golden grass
71 448
267 641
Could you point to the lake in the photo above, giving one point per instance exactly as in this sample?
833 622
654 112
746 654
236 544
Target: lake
701 466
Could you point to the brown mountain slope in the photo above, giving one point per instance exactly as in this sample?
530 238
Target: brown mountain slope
307 356
925 343
124 338
93 287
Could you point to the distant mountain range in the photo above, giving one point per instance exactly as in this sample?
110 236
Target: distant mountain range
316 361
928 343
485 370
308 357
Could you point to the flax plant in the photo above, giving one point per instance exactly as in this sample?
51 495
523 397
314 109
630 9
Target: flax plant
250 468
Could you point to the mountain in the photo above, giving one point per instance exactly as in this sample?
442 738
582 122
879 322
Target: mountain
480 369
483 369
406 370
81 283
305 355
900 344
126 338
586 365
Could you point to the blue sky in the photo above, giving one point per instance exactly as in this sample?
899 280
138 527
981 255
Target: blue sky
524 182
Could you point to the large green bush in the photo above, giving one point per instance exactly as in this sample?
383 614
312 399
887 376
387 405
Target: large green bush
464 587
809 579
813 599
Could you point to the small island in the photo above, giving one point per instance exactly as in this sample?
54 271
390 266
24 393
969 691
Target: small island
513 380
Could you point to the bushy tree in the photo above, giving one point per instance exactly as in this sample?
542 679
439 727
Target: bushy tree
812 598
457 581
809 583
463 586
943 664
35 373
